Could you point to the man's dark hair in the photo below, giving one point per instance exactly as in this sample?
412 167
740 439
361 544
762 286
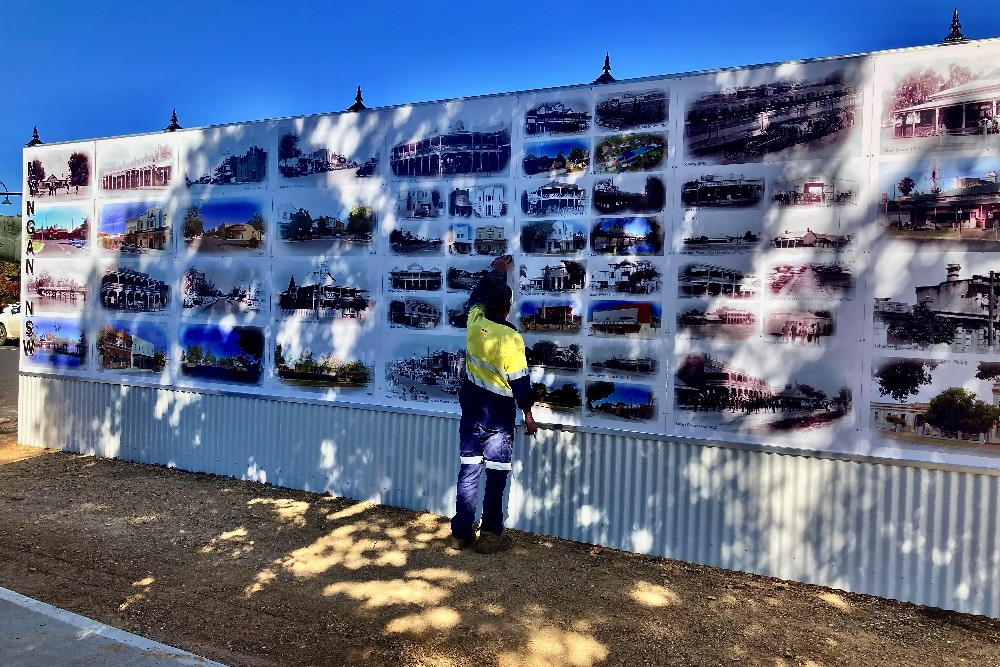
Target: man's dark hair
498 301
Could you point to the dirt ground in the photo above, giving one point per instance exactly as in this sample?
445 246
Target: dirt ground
249 574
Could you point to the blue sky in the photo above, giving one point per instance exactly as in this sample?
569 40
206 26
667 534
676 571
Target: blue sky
81 70
229 211
113 216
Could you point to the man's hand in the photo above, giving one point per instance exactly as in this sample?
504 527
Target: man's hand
529 424
502 262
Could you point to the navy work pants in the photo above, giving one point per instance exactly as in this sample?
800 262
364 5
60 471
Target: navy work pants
481 448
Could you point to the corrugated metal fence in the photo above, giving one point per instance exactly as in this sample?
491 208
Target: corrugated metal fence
919 534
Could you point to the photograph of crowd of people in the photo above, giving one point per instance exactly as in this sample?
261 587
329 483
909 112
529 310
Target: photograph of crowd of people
59 172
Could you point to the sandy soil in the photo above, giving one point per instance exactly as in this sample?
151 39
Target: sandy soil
249 574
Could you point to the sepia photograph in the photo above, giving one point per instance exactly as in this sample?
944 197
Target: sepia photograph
323 150
626 319
307 357
619 153
731 277
329 221
424 368
479 201
551 277
333 290
564 115
554 198
216 287
478 238
834 280
58 172
224 226
410 312
629 194
130 165
542 315
624 276
715 319
799 326
620 400
553 355
134 228
59 231
633 109
824 236
135 288
213 353
636 236
54 286
459 148
815 190
134 348
54 343
718 231
553 237
556 158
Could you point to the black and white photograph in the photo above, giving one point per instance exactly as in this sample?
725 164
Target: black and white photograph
814 190
464 276
486 200
553 237
224 226
555 393
59 231
614 400
559 115
325 290
723 190
638 236
732 277
221 353
811 280
799 326
412 312
625 277
624 319
479 238
425 368
824 235
550 315
633 109
417 238
323 150
55 344
555 198
553 354
558 157
456 312
308 358
57 286
799 111
619 153
629 193
718 231
420 202
452 139
625 360
135 228
224 287
415 277
234 156
54 173
327 221
132 165
135 287
135 348
555 276
717 319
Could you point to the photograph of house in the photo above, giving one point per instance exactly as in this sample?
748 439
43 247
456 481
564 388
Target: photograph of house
551 355
827 281
454 152
334 224
479 201
58 231
809 114
137 168
216 288
134 228
798 238
697 279
419 203
633 109
553 237
625 276
562 116
426 368
716 190
626 194
814 190
621 400
477 239
711 320
556 158
415 278
132 347
57 287
554 198
318 294
221 354
636 236
413 313
56 173
561 276
127 289
56 343
242 167
225 226
632 319
621 153
560 315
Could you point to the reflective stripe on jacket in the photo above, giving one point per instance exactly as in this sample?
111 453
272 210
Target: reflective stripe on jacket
494 354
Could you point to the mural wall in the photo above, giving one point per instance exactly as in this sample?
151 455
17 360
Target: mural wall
803 256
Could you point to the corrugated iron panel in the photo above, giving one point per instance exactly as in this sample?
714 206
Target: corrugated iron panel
912 533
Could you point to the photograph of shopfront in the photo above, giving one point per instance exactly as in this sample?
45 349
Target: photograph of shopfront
415 278
152 171
636 319
322 296
428 373
126 289
414 313
701 280
121 347
458 151
557 117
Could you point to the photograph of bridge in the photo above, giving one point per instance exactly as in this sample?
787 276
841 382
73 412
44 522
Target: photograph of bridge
57 287
59 343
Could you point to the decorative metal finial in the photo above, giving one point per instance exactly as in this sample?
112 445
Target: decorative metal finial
955 36
358 102
35 141
606 77
174 125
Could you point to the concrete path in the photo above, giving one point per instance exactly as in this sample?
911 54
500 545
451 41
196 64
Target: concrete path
35 634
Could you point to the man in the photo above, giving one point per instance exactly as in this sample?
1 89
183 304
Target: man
496 383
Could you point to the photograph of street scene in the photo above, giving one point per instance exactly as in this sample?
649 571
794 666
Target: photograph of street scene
419 203
638 236
456 311
792 117
126 166
945 202
624 276
464 276
941 404
630 193
222 354
419 239
314 152
633 109
811 280
553 237
558 394
803 394
220 160
314 222
224 226
59 231
629 152
125 288
717 320
135 228
134 348
57 287
718 231
326 291
556 158
799 326
560 116
54 343
218 288
425 368
722 191
56 173
620 400
815 190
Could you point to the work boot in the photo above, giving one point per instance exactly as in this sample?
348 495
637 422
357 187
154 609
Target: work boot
464 543
491 543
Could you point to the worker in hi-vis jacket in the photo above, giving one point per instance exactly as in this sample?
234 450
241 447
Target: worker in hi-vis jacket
496 384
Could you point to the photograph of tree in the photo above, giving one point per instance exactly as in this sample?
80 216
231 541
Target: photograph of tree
58 172
227 156
551 277
425 368
224 226
934 104
717 320
722 191
805 111
628 319
629 194
558 394
633 109
733 277
222 354
624 276
128 165
624 359
559 315
59 231
936 403
219 287
834 280
946 202
54 343
333 290
558 116
325 221
135 288
805 394
551 355
134 228
327 149
305 358
638 236
620 400
56 286
556 158
620 153
134 348
553 237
